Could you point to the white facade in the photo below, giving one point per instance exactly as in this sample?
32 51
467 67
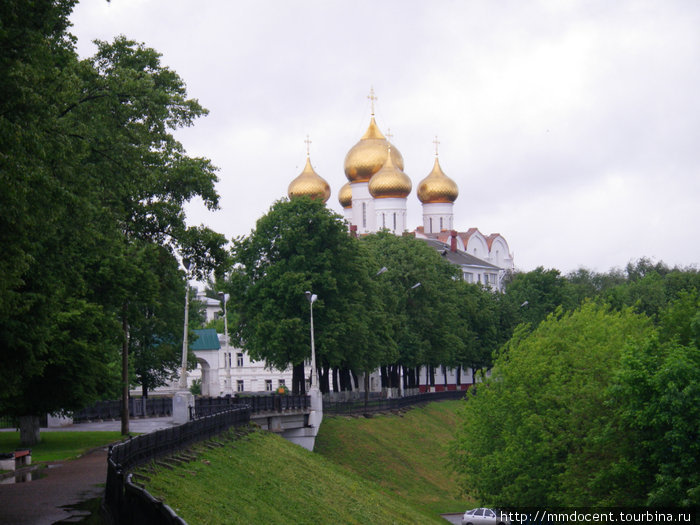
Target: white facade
363 213
437 217
391 214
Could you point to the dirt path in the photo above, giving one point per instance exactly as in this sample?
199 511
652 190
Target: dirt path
66 483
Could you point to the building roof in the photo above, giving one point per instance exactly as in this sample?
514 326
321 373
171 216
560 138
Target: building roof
459 257
207 339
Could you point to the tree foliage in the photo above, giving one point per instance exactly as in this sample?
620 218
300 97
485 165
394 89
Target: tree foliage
523 438
93 182
300 246
597 406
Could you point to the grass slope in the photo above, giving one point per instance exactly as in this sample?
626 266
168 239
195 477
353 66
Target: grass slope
261 478
405 454
383 470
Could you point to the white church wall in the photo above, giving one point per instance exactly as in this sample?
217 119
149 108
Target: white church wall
391 214
437 216
477 246
363 214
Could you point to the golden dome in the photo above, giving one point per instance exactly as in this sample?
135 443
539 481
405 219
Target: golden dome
368 156
437 187
309 183
345 196
390 181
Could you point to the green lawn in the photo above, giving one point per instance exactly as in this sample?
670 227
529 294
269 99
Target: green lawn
56 446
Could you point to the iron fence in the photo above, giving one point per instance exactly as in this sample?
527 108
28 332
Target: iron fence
138 407
128 503
204 406
373 405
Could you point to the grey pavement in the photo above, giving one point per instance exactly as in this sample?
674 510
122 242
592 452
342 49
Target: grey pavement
63 484
136 426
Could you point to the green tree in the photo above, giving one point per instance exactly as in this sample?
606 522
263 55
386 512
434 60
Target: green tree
535 294
656 396
421 305
300 245
90 170
530 437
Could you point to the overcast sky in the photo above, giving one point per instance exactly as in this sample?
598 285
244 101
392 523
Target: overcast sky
572 128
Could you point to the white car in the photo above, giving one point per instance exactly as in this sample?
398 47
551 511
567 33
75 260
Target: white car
484 516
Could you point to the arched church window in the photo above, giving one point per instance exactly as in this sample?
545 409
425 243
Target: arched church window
431 225
394 221
441 228
364 215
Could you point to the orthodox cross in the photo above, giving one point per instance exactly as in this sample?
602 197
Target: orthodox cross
436 142
372 98
307 141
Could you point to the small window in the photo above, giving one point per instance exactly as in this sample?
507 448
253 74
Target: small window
239 359
431 225
268 385
394 222
364 215
239 385
441 224
479 512
281 382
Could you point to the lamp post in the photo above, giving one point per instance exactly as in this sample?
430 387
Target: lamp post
183 400
183 372
314 377
401 376
227 353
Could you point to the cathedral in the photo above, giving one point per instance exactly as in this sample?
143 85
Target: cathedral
376 198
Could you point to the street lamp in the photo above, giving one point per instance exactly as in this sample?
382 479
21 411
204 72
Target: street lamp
314 377
183 372
227 354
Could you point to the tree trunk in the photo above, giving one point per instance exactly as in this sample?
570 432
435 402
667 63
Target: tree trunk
29 430
125 371
336 380
459 375
298 379
355 382
385 377
324 379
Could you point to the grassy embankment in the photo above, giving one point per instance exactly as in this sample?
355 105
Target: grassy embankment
58 446
387 469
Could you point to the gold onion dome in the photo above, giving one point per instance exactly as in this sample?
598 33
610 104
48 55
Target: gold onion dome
345 196
309 183
369 155
390 181
437 187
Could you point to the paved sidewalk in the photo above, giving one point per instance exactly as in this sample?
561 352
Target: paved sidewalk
65 483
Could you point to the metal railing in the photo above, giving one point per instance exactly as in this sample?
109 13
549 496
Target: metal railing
130 504
204 406
373 405
138 407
